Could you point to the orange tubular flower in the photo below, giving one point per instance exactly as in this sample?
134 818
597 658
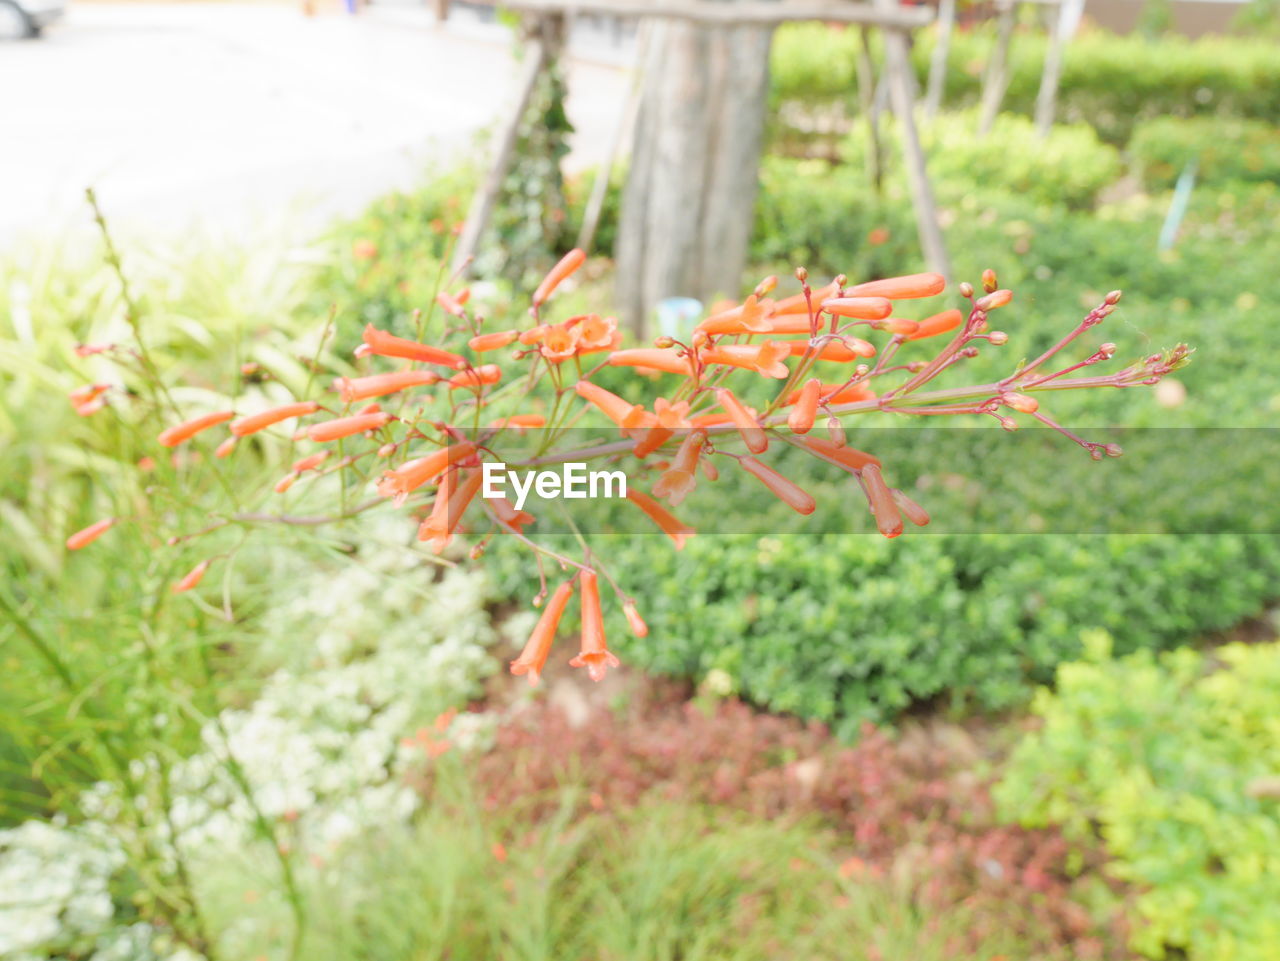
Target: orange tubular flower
898 325
795 304
508 515
284 483
450 305
786 491
226 447
517 421
652 358
883 506
310 462
180 433
909 287
476 377
677 531
86 394
913 511
677 483
407 478
764 359
594 655
860 308
753 434
638 627
937 324
569 263
533 335
435 524
192 578
629 417
840 351
534 656
751 317
445 517
494 341
352 389
596 333
710 420
341 427
388 345
850 458
85 537
559 343
256 422
836 394
801 419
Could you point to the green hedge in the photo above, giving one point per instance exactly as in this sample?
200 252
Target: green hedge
1225 149
1174 762
847 627
1070 166
1108 81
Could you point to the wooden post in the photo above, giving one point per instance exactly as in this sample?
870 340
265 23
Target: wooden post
866 102
482 204
938 63
898 67
688 206
997 77
1047 99
623 134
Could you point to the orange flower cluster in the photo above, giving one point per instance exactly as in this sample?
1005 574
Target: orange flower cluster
800 357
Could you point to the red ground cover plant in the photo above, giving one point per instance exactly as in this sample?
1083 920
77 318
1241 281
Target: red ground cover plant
909 807
426 451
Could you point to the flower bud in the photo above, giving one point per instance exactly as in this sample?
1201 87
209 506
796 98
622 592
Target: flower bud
386 450
665 342
1020 402
1114 450
1107 351
998 337
989 282
766 285
1113 298
701 339
966 289
840 280
802 275
995 299
835 430
1008 423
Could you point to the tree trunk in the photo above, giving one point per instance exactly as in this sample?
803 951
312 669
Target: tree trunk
688 205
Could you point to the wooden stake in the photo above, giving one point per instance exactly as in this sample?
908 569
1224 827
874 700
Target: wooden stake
1047 98
997 78
898 66
486 197
623 135
867 104
938 64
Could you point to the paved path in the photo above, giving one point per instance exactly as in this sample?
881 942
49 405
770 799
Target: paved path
216 117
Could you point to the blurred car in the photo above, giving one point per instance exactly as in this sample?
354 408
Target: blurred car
26 18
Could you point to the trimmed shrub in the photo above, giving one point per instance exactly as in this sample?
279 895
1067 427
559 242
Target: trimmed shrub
1223 148
847 627
1173 761
1108 81
1069 167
